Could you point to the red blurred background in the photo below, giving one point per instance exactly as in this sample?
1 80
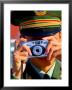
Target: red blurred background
14 32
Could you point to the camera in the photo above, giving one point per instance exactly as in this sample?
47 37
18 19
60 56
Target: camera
37 47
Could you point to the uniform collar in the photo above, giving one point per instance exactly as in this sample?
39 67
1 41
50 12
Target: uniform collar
41 73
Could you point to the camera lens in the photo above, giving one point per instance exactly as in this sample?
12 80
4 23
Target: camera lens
37 50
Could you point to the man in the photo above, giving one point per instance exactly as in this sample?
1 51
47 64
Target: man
37 25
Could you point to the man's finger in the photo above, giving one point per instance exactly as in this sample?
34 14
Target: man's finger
17 43
24 53
48 47
57 53
49 38
27 49
50 53
23 39
20 48
52 50
51 44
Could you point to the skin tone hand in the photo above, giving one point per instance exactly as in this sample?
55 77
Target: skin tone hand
21 53
54 46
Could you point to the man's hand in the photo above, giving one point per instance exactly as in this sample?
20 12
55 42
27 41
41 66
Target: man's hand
54 46
21 54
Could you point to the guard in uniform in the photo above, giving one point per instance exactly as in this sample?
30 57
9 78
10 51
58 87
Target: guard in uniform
38 25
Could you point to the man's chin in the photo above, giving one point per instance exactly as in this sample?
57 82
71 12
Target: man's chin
43 58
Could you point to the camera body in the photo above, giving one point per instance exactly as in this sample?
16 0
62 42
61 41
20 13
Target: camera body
37 47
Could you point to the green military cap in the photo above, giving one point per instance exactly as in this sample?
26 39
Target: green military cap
36 23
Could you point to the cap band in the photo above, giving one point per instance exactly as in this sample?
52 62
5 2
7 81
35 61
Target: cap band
39 23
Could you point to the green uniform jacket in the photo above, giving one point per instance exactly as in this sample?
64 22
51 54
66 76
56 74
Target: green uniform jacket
30 72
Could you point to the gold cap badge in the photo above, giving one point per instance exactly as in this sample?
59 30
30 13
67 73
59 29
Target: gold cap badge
40 13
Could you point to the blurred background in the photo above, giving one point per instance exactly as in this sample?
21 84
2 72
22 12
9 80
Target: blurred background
15 34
